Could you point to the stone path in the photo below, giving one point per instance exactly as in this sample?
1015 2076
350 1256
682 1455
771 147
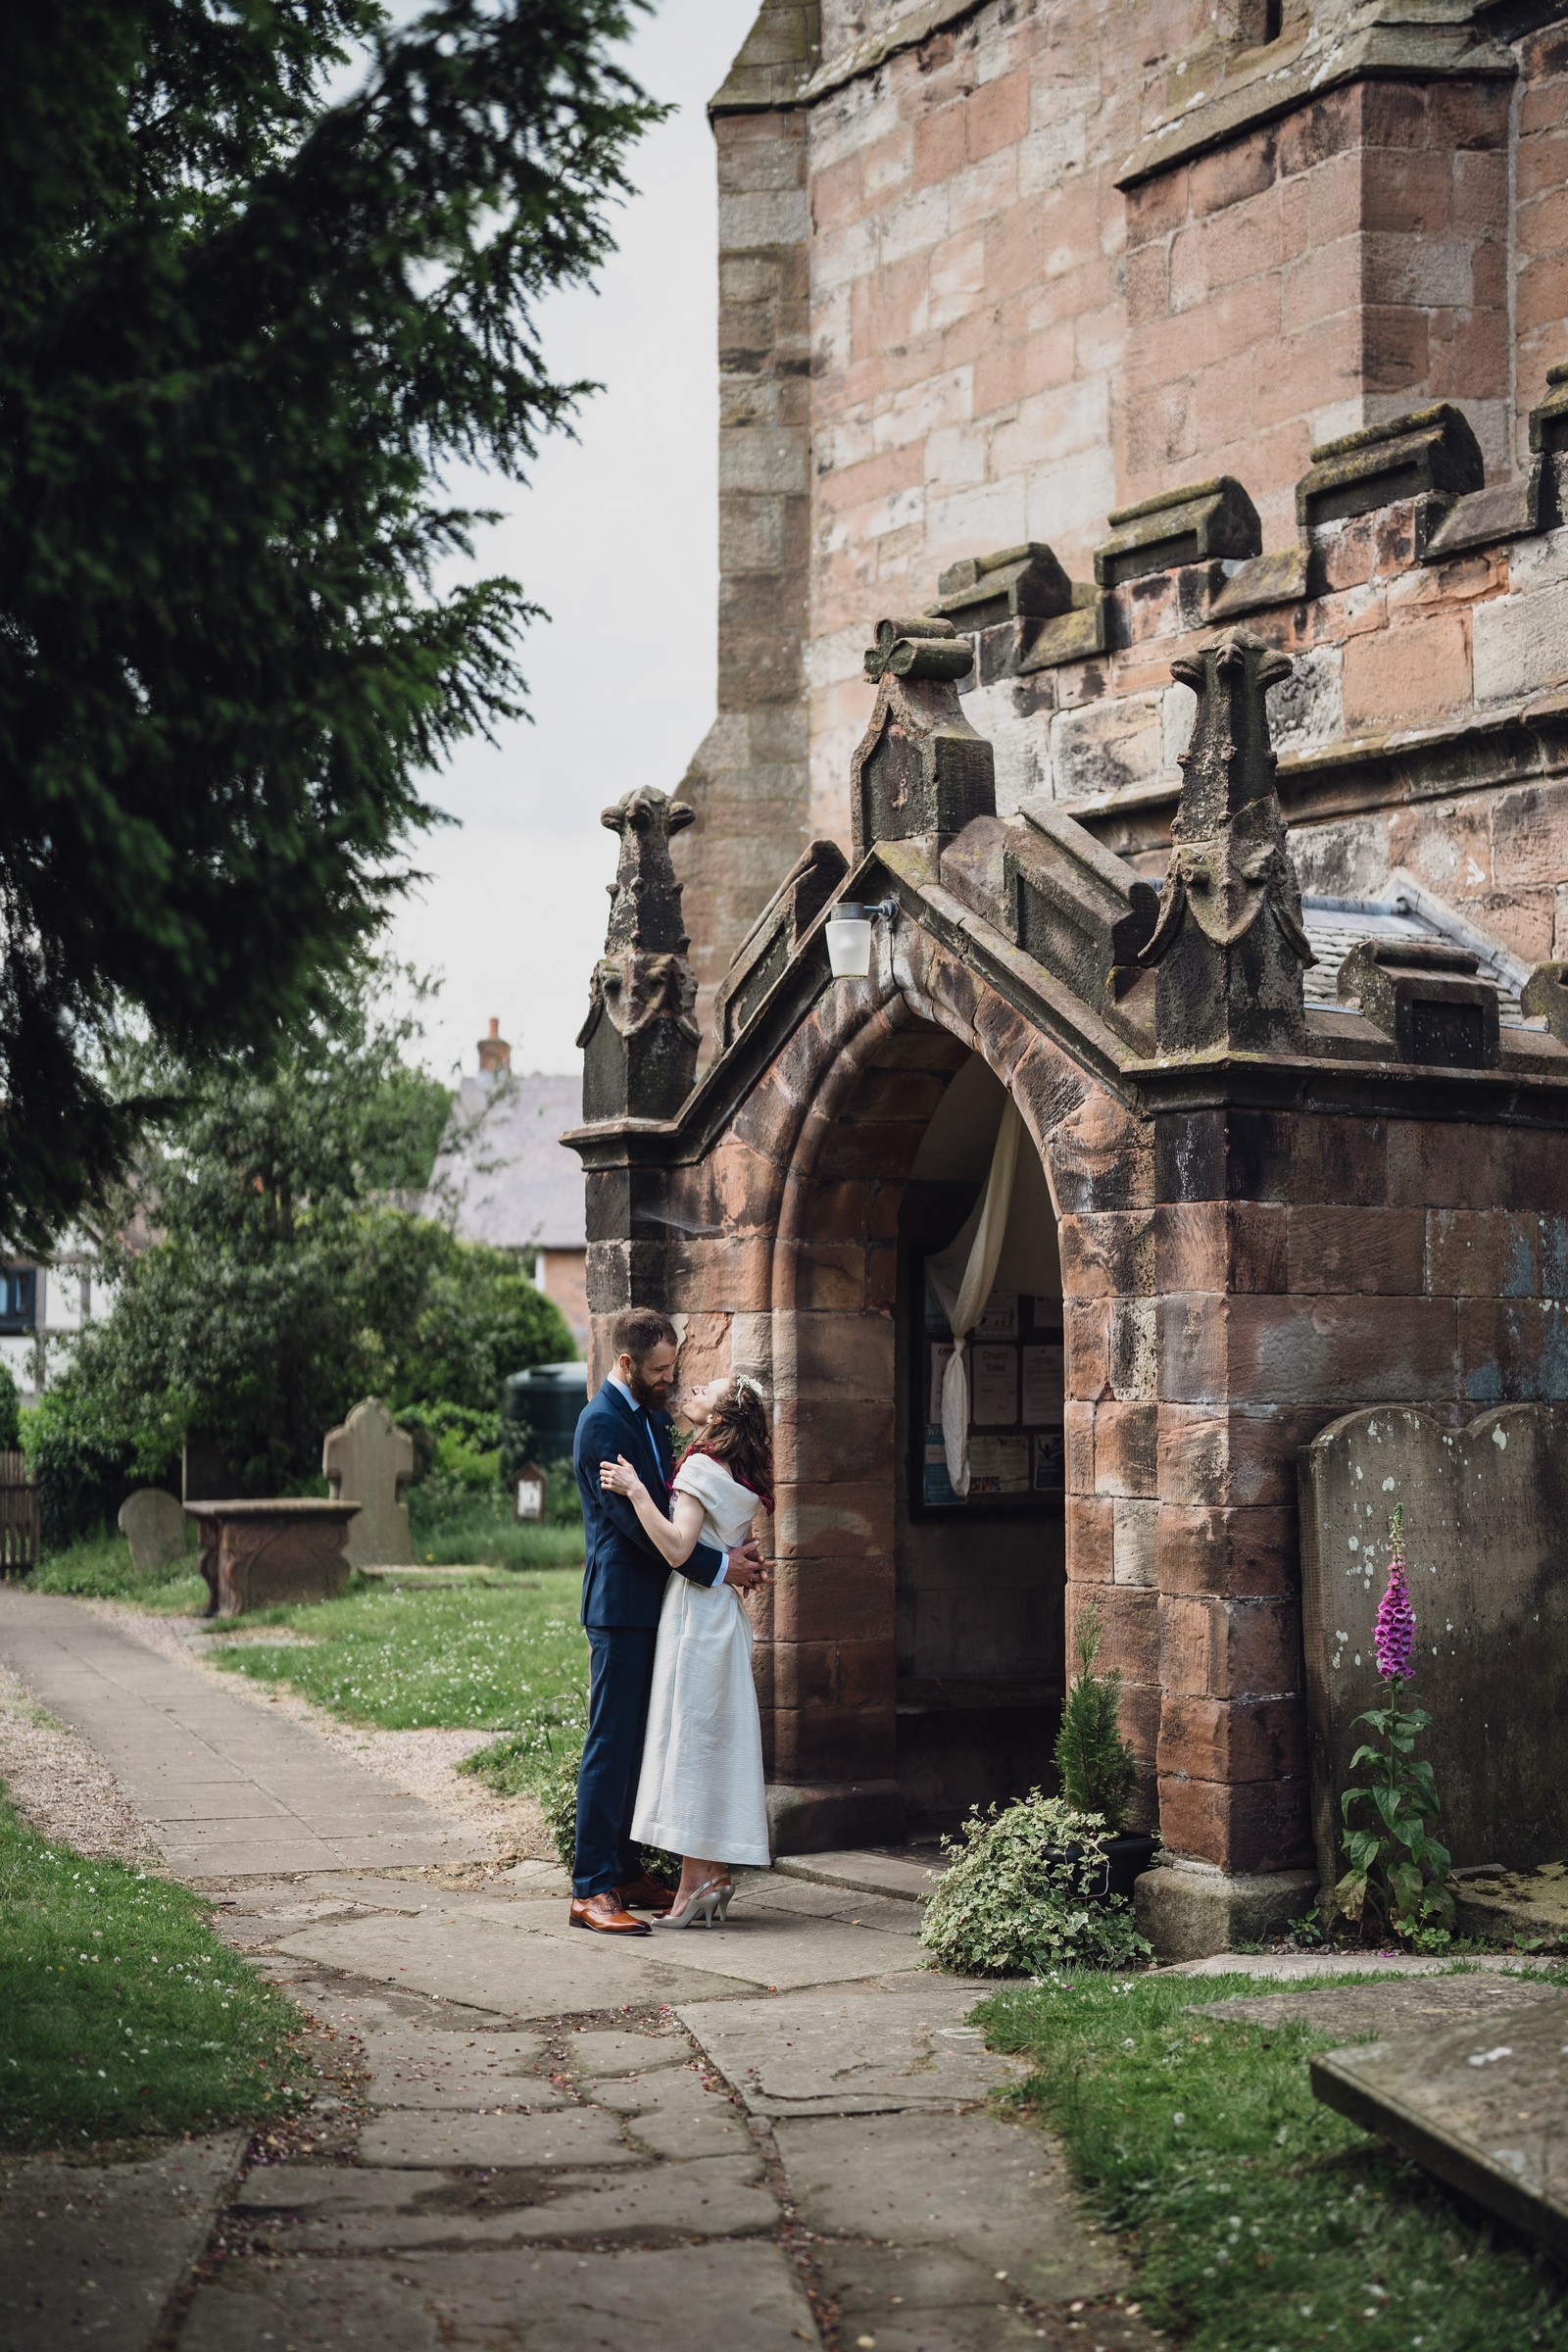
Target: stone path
768 2134
226 1789
570 2143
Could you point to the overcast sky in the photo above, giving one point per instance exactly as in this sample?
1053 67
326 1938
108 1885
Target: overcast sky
615 536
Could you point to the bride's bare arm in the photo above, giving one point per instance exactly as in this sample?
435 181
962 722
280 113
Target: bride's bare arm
676 1536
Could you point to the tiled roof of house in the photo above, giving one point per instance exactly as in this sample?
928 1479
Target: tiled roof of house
503 1166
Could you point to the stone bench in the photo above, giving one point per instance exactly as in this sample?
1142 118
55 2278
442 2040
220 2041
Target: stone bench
266 1555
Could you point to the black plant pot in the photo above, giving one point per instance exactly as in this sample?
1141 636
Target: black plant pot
1126 1858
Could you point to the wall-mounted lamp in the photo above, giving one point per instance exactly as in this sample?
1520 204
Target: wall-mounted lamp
849 936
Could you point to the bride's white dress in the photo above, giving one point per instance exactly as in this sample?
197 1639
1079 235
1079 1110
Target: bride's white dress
701 1791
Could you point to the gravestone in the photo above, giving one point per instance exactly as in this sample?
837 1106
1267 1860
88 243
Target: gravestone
369 1461
154 1526
1481 2103
1484 1512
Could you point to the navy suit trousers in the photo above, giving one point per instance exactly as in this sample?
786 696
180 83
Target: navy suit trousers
620 1683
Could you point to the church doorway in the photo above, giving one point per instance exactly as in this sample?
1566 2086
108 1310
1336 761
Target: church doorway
980 1577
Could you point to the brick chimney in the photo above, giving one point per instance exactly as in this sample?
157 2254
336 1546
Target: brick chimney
494 1052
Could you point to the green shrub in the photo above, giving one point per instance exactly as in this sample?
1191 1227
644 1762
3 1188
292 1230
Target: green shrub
1020 1894
83 1471
1096 1767
10 1411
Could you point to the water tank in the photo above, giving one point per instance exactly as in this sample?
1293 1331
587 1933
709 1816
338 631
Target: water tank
539 1414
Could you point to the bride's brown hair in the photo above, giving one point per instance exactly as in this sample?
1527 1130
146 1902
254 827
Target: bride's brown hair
738 1435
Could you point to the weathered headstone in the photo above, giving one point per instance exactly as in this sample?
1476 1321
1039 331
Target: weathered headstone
154 1526
369 1461
1483 2104
1484 1510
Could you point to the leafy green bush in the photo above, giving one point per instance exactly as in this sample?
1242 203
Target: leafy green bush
10 1413
82 1468
1096 1767
1021 1894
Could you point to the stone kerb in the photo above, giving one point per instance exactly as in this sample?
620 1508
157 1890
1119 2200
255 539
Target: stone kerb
1485 1507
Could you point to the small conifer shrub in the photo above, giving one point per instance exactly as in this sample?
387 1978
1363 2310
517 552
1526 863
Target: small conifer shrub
1095 1763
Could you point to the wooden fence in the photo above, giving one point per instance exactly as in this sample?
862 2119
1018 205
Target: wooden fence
18 1517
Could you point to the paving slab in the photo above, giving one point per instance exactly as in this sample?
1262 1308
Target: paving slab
969 2184
478 2301
931 2300
1481 2103
230 1789
491 1964
567 2135
672 2113
592 2052
902 1875
853 2054
413 2067
1395 2007
306 2187
95 2253
712 2198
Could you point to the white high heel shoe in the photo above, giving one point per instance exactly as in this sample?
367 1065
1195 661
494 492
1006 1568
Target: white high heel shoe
705 1899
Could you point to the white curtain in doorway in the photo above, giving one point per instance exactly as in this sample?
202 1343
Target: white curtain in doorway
962 1277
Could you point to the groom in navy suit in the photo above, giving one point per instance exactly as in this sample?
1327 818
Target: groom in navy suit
622 1591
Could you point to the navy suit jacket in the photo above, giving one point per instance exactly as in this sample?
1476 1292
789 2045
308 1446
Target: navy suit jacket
623 1582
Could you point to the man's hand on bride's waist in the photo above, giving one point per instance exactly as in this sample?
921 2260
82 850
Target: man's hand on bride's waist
746 1570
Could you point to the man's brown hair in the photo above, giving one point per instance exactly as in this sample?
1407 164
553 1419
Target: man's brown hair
638 1330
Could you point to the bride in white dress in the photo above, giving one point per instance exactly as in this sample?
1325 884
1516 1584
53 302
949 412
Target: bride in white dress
701 1791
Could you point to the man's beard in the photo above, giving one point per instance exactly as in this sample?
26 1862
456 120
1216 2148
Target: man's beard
652 1399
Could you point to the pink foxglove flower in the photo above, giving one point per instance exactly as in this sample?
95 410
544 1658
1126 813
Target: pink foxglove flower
1394 1637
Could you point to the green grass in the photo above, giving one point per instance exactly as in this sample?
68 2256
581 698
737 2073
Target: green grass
486 1656
99 1568
121 2015
1259 2221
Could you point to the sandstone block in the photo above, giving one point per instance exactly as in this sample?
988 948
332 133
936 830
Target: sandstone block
1230 1550
1126 1446
1215 1648
1232 1740
1241 1828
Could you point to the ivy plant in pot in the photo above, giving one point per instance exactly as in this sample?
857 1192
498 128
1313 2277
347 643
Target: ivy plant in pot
1095 1763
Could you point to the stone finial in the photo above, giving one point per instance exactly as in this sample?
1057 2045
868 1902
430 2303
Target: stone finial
923 647
640 1039
1229 944
645 896
920 771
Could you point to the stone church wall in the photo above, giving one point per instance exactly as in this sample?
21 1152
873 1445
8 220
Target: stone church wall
992 274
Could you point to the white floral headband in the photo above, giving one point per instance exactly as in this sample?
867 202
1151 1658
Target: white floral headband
744 1379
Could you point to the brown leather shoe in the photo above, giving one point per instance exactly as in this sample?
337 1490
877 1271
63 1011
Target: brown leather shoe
605 1915
646 1894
